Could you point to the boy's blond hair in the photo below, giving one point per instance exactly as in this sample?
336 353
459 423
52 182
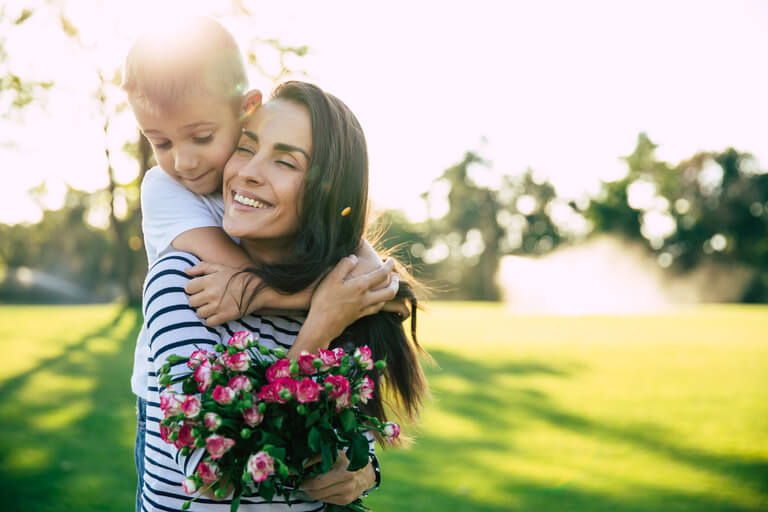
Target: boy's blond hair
196 56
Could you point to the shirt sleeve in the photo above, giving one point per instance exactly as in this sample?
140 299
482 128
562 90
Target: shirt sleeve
169 209
173 328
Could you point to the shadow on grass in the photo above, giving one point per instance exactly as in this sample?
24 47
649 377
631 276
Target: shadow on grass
488 400
68 425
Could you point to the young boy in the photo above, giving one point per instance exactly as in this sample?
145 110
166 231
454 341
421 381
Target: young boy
188 92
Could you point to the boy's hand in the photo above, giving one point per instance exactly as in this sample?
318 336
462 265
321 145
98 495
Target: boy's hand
217 292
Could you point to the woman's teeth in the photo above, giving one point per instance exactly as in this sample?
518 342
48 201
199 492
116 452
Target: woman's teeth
250 202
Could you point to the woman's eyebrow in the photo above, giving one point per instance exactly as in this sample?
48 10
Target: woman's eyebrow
279 146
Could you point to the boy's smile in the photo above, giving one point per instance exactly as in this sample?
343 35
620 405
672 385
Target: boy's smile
193 139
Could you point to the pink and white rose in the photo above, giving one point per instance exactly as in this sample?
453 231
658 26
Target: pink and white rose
366 390
191 407
330 358
240 340
185 436
340 390
197 357
240 382
252 416
189 485
260 466
203 376
307 363
223 395
280 369
170 403
218 445
239 362
363 357
308 390
391 432
212 420
209 471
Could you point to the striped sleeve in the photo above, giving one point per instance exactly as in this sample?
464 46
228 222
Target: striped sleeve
172 328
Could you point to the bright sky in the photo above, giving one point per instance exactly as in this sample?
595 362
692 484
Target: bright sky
563 87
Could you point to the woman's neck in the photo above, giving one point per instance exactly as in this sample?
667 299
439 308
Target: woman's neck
267 251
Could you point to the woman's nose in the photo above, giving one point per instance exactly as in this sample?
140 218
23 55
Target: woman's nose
254 170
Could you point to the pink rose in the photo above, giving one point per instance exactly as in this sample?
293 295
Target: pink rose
189 485
191 407
363 357
197 357
208 471
330 358
170 402
185 436
284 384
268 393
307 363
240 382
340 385
308 391
165 434
366 390
240 340
260 466
223 395
239 362
252 416
391 431
203 376
212 421
218 445
280 369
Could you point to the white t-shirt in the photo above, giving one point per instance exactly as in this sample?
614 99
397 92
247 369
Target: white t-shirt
168 209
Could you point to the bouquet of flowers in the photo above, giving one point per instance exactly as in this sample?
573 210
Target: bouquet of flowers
261 417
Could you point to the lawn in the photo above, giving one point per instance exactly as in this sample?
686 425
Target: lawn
636 413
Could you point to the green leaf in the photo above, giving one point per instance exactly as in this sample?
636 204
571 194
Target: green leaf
275 452
189 387
328 458
358 453
348 421
235 503
267 489
311 418
278 422
314 440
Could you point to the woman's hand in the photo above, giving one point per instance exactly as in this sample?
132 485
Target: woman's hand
339 486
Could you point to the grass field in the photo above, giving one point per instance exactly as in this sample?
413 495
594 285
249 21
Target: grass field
666 412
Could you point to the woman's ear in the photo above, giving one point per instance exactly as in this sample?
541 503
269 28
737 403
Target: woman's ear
251 101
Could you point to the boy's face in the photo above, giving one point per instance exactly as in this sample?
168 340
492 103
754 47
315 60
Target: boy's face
192 139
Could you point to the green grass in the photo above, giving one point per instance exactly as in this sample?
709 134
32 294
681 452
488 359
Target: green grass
638 413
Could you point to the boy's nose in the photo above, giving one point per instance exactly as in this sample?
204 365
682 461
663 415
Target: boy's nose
185 161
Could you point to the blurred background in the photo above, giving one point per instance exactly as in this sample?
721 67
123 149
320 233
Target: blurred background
582 185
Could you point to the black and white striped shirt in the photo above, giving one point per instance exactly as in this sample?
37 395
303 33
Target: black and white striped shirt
174 328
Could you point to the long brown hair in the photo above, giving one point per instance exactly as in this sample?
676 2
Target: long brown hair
338 179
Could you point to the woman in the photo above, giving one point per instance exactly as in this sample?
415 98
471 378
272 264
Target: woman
295 193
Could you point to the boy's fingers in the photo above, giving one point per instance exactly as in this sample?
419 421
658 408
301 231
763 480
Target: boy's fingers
195 285
378 277
197 300
195 270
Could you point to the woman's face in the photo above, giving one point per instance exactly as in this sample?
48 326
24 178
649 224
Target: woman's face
264 177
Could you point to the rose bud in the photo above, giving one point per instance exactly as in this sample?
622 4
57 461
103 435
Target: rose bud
223 395
191 407
218 445
240 340
262 407
245 433
260 466
212 421
380 365
294 367
252 416
363 357
189 485
278 352
208 471
285 388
